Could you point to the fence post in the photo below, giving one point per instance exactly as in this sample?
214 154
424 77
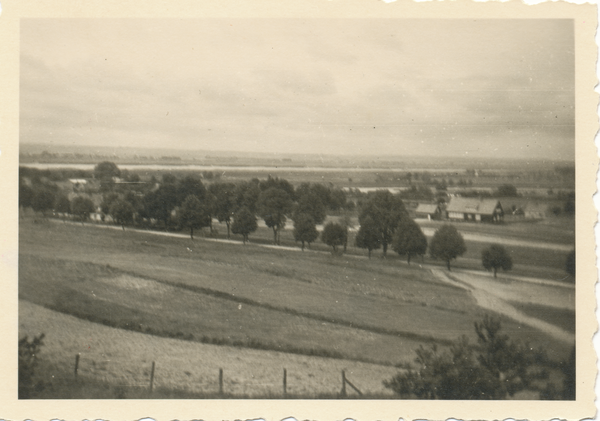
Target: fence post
343 383
284 382
220 381
76 364
152 377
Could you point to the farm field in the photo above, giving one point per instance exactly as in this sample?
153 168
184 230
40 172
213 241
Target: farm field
307 304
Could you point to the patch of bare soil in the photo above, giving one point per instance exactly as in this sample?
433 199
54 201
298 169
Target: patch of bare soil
125 358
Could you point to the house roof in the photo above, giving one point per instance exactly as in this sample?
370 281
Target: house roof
427 208
472 205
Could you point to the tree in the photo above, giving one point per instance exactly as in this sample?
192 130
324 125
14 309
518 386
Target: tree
43 199
193 214
311 204
507 190
570 263
82 207
62 204
495 257
333 235
447 244
122 212
28 361
160 203
190 186
386 211
498 370
409 239
246 195
273 205
224 202
305 229
107 201
368 236
346 222
244 223
105 171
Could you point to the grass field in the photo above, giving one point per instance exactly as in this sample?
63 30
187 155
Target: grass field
342 307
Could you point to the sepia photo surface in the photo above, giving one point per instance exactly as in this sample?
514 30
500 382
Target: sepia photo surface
314 211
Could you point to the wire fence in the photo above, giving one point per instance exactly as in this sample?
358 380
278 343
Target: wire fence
148 377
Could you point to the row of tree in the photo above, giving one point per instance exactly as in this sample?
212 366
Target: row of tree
187 203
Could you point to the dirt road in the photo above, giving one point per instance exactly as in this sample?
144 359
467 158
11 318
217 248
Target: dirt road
495 296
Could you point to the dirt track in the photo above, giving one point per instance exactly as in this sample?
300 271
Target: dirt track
493 296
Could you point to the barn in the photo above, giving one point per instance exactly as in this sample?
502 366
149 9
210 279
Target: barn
428 210
474 209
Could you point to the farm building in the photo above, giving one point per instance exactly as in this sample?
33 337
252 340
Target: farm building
474 209
78 184
428 210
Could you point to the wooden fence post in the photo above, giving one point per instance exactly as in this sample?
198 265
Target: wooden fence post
284 382
76 364
152 377
220 381
346 381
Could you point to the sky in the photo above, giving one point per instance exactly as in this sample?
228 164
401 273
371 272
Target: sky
402 87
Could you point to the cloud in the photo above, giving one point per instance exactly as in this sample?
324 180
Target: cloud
352 86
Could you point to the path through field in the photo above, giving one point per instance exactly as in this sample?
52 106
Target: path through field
494 295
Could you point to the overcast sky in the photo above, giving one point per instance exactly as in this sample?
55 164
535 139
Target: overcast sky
490 88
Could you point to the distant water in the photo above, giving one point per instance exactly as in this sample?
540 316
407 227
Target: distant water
249 168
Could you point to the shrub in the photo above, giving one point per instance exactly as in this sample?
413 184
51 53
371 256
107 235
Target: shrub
28 352
497 369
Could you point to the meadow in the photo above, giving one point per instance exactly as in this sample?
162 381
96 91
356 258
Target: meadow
345 308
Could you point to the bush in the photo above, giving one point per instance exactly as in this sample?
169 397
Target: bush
497 369
28 352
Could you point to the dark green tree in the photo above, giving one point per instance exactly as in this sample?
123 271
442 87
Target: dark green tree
122 212
368 235
246 195
507 190
106 169
82 208
160 203
62 205
497 371
409 239
190 186
224 202
43 199
447 244
333 235
28 361
105 173
496 257
311 204
386 210
273 206
193 214
244 223
305 229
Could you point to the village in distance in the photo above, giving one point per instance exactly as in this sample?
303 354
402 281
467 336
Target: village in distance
247 275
